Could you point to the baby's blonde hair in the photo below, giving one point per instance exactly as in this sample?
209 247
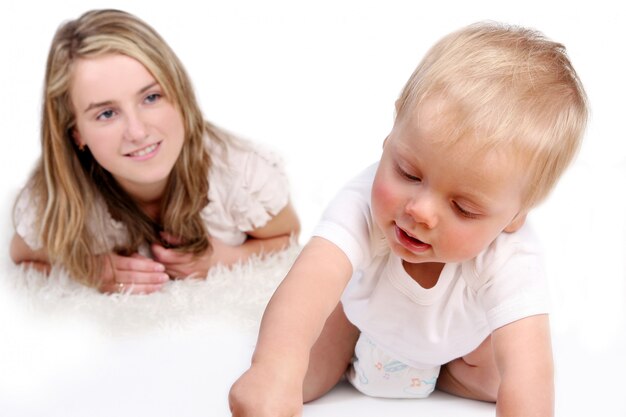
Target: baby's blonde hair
508 88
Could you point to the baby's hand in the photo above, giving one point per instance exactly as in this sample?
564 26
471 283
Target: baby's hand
264 394
136 274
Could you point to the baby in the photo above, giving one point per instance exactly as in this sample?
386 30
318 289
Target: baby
423 272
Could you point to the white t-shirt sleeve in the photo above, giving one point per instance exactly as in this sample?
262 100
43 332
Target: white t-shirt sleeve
347 221
513 282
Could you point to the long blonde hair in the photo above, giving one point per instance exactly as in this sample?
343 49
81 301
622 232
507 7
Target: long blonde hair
66 180
510 88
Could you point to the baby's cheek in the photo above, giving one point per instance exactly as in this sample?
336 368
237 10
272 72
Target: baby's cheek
463 244
383 198
378 193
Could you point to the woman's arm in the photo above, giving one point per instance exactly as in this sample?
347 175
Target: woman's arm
21 253
273 236
291 323
136 274
523 355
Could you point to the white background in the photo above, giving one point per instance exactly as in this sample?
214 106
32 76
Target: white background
316 81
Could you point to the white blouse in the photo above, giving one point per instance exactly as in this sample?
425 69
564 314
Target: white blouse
247 187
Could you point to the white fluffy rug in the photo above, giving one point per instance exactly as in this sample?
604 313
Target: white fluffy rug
65 347
232 296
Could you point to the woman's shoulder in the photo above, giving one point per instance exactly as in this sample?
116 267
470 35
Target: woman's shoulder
234 153
237 161
26 212
247 184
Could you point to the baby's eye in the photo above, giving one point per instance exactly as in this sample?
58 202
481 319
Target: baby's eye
408 176
463 212
412 177
105 115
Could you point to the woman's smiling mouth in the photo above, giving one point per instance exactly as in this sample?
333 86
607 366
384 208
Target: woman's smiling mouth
148 150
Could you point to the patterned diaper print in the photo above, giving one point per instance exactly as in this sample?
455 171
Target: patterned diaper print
376 374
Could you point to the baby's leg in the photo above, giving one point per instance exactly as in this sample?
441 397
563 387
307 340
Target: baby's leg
331 355
474 376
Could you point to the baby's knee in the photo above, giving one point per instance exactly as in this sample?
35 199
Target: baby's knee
468 380
330 356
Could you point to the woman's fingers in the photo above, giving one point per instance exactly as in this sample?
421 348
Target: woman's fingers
134 274
131 288
136 262
128 277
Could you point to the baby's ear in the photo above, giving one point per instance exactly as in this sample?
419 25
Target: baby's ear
516 223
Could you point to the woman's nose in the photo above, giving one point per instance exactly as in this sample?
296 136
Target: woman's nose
136 130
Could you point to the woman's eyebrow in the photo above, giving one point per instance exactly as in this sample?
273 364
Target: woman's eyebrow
109 102
96 105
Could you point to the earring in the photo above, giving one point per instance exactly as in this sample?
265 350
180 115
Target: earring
81 147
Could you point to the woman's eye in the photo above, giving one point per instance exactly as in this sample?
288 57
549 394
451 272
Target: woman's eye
105 115
152 98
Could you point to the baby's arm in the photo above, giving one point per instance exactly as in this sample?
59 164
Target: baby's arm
291 324
523 355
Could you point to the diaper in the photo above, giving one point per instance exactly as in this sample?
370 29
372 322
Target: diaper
377 374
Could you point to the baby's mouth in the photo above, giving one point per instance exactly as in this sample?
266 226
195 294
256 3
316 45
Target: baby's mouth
411 242
412 238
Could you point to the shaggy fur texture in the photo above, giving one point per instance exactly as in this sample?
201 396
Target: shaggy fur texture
235 297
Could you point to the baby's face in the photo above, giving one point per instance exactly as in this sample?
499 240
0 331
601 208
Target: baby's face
437 202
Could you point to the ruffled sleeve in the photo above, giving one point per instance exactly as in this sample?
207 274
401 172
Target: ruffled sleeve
247 187
108 232
25 219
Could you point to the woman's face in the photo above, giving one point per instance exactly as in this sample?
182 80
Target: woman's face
124 118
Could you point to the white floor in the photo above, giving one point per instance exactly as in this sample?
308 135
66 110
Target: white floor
321 93
188 375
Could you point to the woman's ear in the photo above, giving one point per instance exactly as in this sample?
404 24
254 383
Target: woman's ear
516 223
77 139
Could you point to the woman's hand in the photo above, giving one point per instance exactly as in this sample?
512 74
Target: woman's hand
273 236
184 265
134 274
